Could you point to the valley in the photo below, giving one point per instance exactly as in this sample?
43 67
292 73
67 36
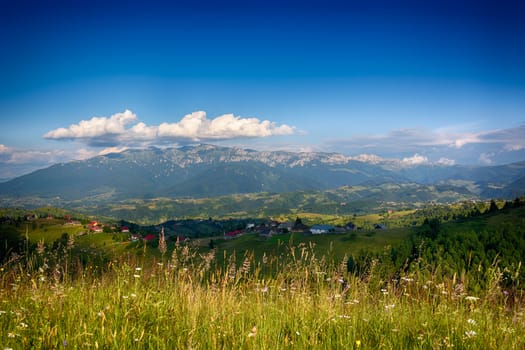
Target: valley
153 185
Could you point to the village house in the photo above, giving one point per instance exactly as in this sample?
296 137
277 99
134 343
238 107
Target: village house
233 234
70 222
94 226
321 229
267 232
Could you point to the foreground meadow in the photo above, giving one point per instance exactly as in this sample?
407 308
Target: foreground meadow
297 300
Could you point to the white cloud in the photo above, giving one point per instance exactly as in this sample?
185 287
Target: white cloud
197 127
35 156
141 131
121 130
4 149
416 159
111 150
368 158
95 127
485 158
514 147
188 127
465 139
513 139
439 146
83 153
17 161
446 161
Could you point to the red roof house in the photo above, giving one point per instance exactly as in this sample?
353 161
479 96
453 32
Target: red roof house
233 234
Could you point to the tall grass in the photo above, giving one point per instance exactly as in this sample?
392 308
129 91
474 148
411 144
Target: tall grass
298 300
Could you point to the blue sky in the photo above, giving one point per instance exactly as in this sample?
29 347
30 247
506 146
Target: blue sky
432 81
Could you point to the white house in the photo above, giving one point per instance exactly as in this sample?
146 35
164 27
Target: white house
321 229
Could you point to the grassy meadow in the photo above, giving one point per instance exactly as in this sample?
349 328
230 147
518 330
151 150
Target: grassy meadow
188 300
290 291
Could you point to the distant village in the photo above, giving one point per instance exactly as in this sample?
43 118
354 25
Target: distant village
185 230
262 228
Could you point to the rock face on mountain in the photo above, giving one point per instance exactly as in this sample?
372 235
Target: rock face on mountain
206 171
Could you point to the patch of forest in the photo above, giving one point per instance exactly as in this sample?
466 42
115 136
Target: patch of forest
481 247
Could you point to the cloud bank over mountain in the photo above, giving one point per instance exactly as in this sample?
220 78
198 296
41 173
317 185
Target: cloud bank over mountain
446 146
123 129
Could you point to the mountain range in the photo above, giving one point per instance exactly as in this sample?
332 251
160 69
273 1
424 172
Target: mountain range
210 171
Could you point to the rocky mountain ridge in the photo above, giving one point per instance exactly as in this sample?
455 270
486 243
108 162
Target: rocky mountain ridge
208 170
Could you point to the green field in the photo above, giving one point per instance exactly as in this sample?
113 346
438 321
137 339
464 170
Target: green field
334 246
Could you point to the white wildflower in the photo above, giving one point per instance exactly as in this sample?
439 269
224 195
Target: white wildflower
470 334
471 298
253 333
390 306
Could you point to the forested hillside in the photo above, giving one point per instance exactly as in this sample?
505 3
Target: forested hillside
482 246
